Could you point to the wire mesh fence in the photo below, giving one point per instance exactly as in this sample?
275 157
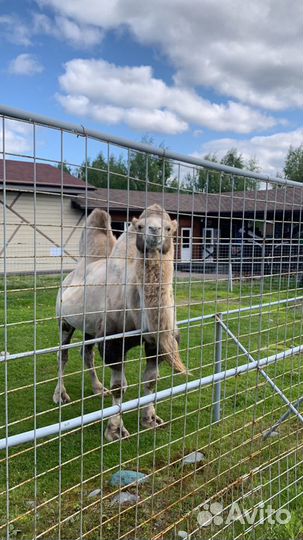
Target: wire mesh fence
184 279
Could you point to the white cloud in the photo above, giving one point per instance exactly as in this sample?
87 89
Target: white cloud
114 94
79 35
246 53
18 137
270 151
155 120
75 33
15 31
25 64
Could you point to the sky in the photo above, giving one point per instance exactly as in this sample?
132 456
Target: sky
199 76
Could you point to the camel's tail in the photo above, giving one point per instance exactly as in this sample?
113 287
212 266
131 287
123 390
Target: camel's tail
170 353
97 239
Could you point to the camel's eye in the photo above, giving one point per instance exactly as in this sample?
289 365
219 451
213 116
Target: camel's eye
168 229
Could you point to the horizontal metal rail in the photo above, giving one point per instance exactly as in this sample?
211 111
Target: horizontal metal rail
135 404
38 119
131 333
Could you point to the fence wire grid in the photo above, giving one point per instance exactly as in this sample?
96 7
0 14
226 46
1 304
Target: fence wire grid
188 424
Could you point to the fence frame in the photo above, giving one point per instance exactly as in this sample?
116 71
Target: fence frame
219 375
81 131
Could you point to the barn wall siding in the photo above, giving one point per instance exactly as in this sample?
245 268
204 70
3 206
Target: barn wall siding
22 236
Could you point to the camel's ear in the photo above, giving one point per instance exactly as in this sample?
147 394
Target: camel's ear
174 226
134 222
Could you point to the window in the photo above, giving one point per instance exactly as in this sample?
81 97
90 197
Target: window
185 238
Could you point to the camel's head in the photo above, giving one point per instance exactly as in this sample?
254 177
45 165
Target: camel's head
155 230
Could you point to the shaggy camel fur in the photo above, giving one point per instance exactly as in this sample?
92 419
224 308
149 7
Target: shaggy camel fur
129 290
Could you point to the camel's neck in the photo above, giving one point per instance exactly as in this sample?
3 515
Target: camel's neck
155 275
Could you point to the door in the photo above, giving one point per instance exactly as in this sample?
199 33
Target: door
210 237
186 244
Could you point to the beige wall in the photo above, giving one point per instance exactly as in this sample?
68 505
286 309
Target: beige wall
26 243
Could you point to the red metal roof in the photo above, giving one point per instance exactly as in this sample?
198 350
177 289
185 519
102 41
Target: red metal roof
22 173
278 199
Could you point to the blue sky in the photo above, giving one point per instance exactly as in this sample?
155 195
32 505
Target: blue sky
201 76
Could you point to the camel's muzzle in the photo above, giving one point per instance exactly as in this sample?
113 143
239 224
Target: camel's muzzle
153 242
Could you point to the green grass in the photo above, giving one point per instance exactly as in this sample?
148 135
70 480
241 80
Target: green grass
57 474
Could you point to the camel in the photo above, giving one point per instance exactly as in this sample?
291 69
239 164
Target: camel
119 286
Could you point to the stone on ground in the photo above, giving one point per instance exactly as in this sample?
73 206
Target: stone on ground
194 457
124 498
95 493
274 434
124 478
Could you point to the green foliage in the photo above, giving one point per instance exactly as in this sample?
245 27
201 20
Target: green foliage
293 167
150 169
66 168
158 174
103 174
211 181
120 173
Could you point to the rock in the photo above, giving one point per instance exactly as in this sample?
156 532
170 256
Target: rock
182 534
194 457
94 493
124 498
30 504
273 434
124 478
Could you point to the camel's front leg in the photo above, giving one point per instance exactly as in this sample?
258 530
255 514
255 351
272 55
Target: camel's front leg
149 417
114 354
115 428
60 395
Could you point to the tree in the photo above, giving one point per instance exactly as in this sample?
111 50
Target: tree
203 179
238 183
66 168
139 172
118 174
150 170
212 181
173 185
94 171
103 174
293 167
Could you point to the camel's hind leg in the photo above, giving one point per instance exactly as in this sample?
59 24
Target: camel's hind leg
89 359
149 417
60 394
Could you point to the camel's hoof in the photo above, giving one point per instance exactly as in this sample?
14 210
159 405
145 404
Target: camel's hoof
61 397
100 390
152 421
114 433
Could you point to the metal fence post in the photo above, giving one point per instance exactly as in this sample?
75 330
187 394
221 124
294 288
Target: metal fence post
230 269
218 369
